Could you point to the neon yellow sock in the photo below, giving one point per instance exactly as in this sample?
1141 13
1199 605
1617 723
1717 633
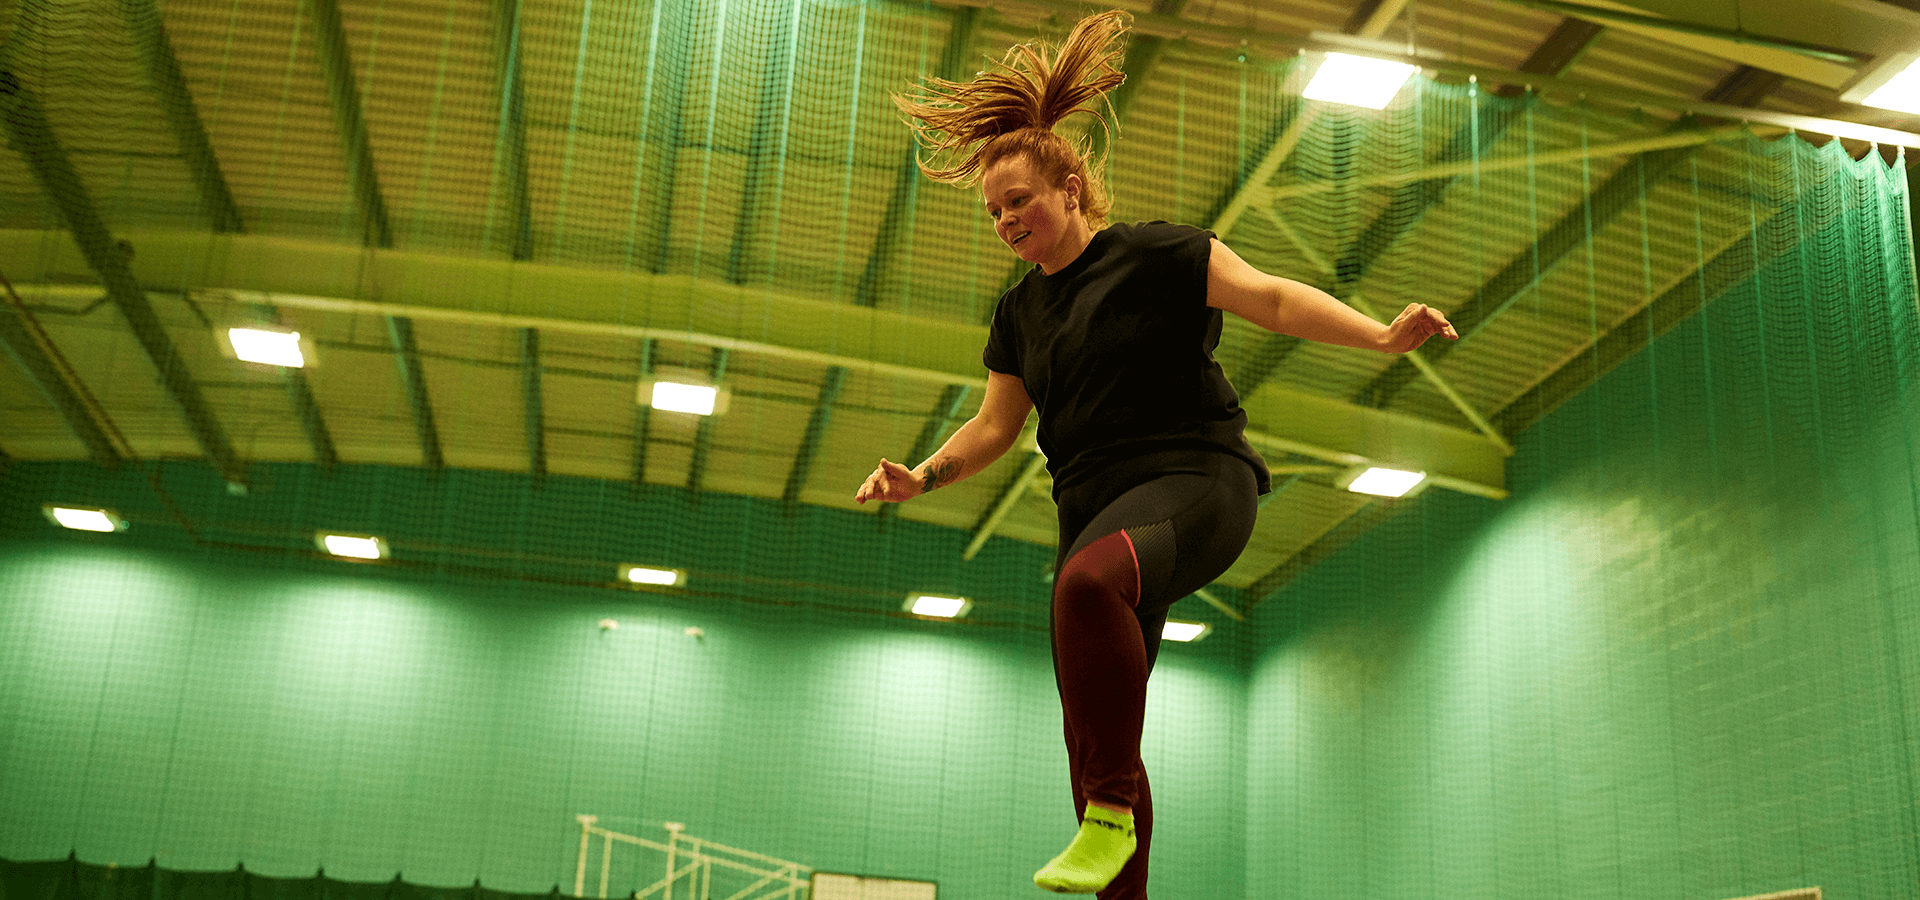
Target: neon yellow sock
1102 847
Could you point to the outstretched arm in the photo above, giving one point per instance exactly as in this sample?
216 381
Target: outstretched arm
1304 311
983 439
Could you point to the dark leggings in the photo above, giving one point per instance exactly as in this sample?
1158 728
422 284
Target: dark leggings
1130 547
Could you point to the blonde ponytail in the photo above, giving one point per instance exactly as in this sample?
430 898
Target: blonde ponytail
1011 110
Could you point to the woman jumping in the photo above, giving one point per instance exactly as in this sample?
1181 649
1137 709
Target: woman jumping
1111 336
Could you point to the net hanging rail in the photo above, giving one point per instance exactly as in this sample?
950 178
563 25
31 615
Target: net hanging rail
690 862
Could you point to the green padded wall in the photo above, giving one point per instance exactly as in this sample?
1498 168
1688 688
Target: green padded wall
244 700
1682 661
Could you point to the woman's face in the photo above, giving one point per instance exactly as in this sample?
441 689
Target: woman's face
1032 217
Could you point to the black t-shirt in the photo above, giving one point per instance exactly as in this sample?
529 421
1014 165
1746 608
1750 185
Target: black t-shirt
1116 350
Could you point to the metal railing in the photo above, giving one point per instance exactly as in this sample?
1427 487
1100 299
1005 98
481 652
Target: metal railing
689 866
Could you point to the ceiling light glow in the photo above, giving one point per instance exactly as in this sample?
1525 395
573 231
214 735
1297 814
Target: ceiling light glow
653 576
353 546
1901 93
1358 80
1185 632
274 348
1386 482
81 518
938 607
686 398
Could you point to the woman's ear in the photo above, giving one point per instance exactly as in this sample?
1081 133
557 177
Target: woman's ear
1072 187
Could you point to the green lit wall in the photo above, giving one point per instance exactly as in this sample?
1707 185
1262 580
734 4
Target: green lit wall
237 699
1682 661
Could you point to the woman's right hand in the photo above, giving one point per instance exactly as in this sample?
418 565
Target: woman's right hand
890 482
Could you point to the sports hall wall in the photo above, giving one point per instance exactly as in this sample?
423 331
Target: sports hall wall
1681 661
228 697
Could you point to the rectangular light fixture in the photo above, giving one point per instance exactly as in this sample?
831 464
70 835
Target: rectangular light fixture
652 576
84 518
687 398
1358 80
1386 482
1185 632
274 348
352 546
936 606
1901 93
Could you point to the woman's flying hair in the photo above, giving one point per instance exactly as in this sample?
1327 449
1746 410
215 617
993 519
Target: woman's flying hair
1012 108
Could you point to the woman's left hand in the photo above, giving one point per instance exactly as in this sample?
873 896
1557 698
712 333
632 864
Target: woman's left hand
1413 326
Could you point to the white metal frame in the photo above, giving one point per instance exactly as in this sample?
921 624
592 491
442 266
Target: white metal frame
689 864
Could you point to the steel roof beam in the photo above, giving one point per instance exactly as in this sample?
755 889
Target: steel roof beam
817 425
183 116
349 116
1250 189
16 333
504 295
1532 266
767 148
26 126
670 40
1009 496
407 355
703 434
530 390
897 222
643 413
1412 201
944 411
300 394
1143 56
510 146
1727 269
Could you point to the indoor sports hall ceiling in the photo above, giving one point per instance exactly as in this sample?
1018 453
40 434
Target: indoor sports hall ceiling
494 222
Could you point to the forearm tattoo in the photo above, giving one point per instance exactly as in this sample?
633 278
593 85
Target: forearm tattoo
943 470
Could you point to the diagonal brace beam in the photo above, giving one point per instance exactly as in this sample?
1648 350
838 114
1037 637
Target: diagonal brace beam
36 357
29 133
183 116
817 426
944 411
530 390
1009 496
406 354
336 60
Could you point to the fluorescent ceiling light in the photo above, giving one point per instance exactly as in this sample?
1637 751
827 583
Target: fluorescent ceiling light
1185 632
938 607
275 348
1386 482
686 398
1358 80
651 575
84 518
353 546
1901 93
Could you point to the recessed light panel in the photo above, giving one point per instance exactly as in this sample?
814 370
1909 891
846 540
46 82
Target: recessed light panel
1358 80
84 518
1386 482
353 546
651 575
1901 93
686 398
274 348
938 607
1185 632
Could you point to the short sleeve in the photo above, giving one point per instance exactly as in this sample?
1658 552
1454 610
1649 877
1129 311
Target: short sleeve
1003 343
1185 246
